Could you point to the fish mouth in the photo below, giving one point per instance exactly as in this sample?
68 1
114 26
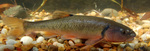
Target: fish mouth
130 39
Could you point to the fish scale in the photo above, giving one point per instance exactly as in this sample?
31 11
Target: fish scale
73 23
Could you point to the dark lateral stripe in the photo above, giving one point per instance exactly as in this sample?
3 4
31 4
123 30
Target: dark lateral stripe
103 32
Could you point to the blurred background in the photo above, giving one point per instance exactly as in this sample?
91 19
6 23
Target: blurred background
138 6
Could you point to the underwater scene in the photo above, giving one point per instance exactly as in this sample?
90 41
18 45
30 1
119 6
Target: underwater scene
74 25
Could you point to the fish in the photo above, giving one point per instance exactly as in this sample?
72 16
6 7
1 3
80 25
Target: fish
84 27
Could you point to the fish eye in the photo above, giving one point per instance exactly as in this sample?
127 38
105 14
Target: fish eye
123 31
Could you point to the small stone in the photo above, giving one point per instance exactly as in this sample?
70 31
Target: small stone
26 47
40 39
132 45
16 11
52 40
93 49
61 49
128 48
145 36
122 45
10 42
52 48
99 49
55 43
26 40
137 45
11 47
112 50
77 41
71 43
109 12
60 45
34 49
60 40
4 31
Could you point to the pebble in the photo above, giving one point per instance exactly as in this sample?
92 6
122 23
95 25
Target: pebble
132 45
60 45
60 40
35 49
145 36
40 39
11 47
26 40
4 31
55 43
99 49
52 48
122 45
109 12
52 40
10 42
91 14
71 43
77 41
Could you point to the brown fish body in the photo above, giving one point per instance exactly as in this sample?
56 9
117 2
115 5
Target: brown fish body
84 27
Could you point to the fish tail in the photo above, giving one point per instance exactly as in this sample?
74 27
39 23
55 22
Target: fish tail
15 25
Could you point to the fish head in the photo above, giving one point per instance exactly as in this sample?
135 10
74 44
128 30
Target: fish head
119 34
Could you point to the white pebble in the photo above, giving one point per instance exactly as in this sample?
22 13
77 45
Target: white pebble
145 36
26 40
132 45
71 43
77 40
99 49
40 39
126 19
60 40
35 49
11 47
55 43
135 41
10 42
122 45
60 45
4 31
52 40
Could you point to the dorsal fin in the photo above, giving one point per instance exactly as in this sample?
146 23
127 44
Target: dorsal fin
60 14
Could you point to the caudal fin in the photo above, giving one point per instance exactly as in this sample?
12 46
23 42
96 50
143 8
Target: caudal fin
15 25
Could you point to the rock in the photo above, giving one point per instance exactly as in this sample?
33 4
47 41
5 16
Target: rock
77 41
145 36
52 48
60 40
11 47
16 11
40 39
10 42
122 45
71 43
26 40
52 40
4 31
109 12
35 49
